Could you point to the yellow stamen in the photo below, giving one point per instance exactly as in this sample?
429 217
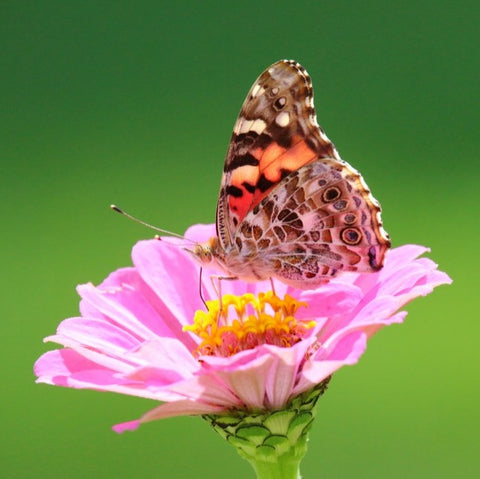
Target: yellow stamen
247 321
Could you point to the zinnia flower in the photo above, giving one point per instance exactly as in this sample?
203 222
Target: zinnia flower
144 331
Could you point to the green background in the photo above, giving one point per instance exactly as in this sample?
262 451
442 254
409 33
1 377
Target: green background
133 103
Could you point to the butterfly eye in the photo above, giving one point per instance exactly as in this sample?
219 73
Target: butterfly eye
351 236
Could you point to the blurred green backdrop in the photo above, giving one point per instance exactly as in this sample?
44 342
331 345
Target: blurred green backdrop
133 103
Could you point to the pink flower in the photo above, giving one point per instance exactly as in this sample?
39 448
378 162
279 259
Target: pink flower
133 335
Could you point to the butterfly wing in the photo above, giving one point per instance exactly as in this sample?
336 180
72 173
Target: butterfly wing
289 206
276 133
319 220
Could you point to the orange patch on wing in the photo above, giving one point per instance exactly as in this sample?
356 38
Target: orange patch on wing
269 155
247 173
242 204
276 159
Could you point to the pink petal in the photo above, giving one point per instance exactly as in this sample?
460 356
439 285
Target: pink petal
176 295
283 375
127 305
208 388
97 334
249 383
329 300
261 377
180 408
166 353
346 352
126 426
66 367
200 233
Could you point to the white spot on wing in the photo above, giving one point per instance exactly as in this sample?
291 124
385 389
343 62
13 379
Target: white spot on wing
244 126
256 90
238 124
283 119
258 126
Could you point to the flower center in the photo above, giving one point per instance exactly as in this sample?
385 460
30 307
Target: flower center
237 323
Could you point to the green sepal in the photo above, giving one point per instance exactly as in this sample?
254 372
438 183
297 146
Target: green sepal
274 442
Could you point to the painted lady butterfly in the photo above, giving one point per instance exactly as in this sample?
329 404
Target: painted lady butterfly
289 207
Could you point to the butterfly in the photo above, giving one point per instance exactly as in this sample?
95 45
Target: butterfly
289 207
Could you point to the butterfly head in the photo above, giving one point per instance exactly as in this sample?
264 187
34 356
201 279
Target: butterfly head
205 253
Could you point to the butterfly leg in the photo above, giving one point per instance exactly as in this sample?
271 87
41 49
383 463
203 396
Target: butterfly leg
200 288
219 289
273 286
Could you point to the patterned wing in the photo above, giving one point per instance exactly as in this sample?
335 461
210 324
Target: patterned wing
276 133
317 221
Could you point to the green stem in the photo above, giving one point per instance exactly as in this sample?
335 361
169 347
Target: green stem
283 468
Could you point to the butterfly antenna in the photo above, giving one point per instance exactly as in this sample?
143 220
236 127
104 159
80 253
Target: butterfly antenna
161 230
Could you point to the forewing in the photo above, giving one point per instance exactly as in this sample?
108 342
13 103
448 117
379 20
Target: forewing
276 133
